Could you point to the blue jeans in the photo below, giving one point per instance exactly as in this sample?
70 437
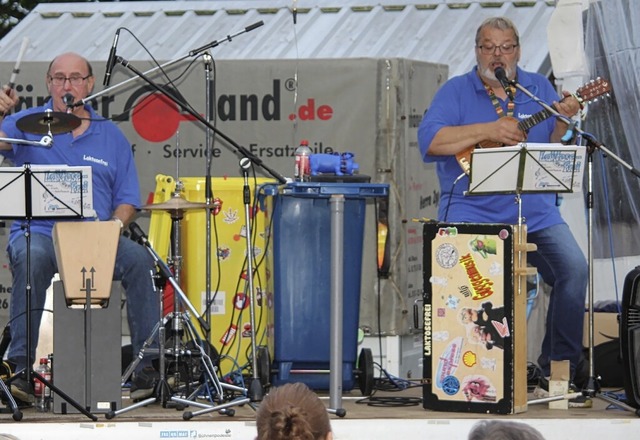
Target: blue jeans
133 268
562 265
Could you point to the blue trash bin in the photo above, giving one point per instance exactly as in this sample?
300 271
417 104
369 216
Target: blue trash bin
302 279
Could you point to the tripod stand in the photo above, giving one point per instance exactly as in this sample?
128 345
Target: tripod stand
180 322
28 212
592 387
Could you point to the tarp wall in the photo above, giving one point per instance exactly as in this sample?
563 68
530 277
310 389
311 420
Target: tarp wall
370 107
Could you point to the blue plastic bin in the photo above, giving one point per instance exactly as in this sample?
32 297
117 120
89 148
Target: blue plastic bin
302 279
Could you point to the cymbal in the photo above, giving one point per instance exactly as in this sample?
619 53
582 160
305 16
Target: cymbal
174 204
48 122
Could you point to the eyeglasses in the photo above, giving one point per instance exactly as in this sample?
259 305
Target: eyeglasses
489 49
73 80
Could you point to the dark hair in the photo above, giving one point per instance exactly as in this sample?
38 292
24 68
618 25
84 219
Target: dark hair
502 23
292 412
503 430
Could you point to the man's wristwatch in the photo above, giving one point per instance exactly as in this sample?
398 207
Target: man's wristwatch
118 221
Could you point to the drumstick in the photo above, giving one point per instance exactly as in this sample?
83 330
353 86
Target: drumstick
16 68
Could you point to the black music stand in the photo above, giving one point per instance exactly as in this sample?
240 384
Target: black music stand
57 194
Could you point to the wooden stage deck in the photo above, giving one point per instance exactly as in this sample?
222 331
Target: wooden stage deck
391 413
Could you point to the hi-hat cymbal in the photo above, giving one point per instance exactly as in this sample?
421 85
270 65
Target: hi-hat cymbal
174 204
48 122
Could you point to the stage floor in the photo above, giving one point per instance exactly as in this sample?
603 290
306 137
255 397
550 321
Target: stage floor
394 414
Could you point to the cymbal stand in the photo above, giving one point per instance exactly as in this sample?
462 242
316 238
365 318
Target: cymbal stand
209 369
162 389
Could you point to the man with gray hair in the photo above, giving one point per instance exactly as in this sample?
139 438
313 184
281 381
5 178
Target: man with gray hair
503 430
483 108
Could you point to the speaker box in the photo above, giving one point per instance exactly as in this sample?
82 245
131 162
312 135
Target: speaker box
86 364
630 336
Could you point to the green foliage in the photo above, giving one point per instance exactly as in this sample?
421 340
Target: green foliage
12 11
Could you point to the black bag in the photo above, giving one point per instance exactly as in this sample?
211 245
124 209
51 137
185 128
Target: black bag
607 364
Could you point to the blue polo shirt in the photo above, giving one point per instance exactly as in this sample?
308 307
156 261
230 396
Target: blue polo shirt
103 147
463 100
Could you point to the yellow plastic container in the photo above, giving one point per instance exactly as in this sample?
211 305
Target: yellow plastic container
229 311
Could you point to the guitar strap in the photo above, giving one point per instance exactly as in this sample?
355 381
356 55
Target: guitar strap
496 102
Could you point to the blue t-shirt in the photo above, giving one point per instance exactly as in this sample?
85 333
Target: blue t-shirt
463 100
103 147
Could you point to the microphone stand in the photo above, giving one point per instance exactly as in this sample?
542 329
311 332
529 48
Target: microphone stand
209 138
239 148
255 388
592 388
170 63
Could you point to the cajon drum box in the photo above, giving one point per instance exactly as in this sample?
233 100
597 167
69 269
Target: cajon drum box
474 319
86 255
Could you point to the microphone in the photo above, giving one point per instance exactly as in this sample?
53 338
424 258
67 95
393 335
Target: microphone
501 76
294 9
112 60
68 101
253 26
137 234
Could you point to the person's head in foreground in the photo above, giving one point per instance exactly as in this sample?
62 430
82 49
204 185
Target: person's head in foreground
293 412
503 430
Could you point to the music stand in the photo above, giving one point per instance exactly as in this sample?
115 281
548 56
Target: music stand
526 168
59 193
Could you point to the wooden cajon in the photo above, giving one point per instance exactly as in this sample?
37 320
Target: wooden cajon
86 255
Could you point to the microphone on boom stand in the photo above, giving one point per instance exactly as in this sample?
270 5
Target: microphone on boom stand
501 76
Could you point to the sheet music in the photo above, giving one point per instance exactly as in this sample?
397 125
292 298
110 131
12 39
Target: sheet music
553 162
527 168
12 204
63 187
56 191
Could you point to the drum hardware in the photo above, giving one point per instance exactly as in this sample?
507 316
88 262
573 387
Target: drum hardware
48 122
175 206
182 329
231 143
